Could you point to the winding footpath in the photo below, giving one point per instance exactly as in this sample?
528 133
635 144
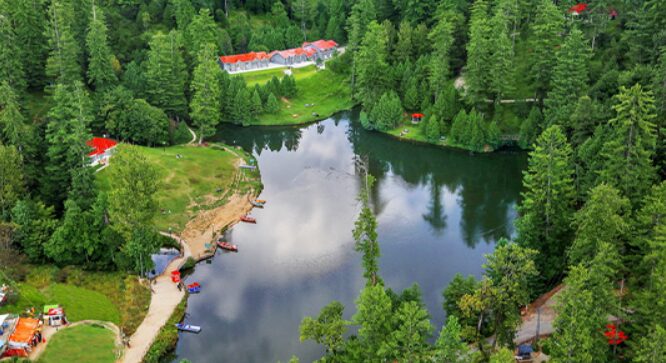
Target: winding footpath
165 298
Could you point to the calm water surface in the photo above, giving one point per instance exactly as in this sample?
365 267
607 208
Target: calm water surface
439 212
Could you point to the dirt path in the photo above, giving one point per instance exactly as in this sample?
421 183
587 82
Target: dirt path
205 227
194 136
49 331
542 313
163 302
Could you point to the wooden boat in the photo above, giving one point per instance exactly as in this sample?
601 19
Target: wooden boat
260 201
256 204
227 246
248 219
188 328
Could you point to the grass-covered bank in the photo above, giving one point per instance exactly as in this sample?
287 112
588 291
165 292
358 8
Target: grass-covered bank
320 94
88 343
85 295
192 178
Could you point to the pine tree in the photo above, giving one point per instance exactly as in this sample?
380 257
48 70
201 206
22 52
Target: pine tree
302 11
409 340
66 135
545 39
62 65
362 14
404 49
652 348
11 66
604 218
456 135
584 120
29 19
183 12
365 236
201 32
372 66
166 74
100 58
569 79
479 52
442 40
530 128
501 60
12 185
373 315
132 204
272 104
580 319
205 106
12 123
547 209
630 147
386 114
255 104
433 129
450 347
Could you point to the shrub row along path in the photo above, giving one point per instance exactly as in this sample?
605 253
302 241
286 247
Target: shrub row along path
165 297
49 331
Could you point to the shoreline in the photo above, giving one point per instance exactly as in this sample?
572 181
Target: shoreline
202 229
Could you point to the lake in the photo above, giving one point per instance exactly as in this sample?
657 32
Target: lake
439 211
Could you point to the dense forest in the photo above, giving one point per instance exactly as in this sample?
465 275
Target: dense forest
582 87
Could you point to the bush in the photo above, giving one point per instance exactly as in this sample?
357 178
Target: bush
180 134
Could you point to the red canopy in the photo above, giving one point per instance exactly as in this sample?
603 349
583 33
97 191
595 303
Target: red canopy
100 145
578 8
417 115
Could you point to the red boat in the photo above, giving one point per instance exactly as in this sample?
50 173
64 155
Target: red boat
248 219
227 246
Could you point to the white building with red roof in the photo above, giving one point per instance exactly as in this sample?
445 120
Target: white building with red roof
324 48
102 150
309 52
246 61
292 56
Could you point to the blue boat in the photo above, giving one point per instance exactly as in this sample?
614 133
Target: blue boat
188 328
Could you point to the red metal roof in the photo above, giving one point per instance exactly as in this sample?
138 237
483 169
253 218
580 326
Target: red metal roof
247 57
309 52
100 145
419 115
321 44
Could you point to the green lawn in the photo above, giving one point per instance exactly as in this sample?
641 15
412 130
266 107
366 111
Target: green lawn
83 304
197 180
415 132
83 343
324 92
265 75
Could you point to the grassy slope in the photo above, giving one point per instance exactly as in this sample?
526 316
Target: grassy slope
84 304
83 343
113 297
188 183
325 91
